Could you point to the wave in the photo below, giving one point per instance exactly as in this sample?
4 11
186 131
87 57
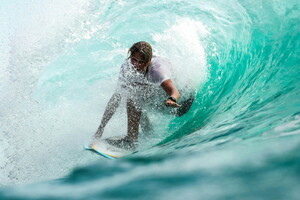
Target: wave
60 67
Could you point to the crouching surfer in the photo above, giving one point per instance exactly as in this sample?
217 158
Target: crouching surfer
143 77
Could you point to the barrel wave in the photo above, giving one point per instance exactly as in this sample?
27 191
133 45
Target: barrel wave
59 66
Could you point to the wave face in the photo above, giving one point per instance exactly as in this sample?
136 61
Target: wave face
59 66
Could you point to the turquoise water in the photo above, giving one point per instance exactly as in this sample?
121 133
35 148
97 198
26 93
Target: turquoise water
59 66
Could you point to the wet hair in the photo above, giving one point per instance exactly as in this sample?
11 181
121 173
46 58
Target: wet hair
143 48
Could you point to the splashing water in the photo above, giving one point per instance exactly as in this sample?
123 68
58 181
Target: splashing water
59 66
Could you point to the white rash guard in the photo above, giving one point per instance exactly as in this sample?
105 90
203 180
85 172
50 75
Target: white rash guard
144 87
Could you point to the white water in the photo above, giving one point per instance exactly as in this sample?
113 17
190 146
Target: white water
59 68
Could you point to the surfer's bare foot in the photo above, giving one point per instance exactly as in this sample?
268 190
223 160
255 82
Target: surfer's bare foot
123 143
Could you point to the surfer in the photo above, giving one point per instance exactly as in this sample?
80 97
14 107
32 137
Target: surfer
143 78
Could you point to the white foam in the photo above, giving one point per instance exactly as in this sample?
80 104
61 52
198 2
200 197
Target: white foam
182 44
32 34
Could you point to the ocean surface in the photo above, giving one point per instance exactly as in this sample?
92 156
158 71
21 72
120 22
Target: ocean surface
59 64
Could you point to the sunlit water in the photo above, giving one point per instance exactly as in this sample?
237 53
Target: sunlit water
59 66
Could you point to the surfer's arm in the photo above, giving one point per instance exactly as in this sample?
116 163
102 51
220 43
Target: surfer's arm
111 108
173 93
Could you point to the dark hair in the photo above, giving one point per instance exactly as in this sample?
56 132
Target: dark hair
143 48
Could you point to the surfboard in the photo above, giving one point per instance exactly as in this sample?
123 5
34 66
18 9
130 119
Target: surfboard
103 148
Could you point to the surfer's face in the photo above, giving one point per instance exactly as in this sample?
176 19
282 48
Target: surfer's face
138 62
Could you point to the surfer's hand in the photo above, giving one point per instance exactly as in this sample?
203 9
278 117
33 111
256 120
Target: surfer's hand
171 103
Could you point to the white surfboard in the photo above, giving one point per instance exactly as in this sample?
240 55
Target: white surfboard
103 148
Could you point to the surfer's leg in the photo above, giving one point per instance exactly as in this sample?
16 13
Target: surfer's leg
146 124
134 115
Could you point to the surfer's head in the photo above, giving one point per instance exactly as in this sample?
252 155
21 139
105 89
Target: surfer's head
140 55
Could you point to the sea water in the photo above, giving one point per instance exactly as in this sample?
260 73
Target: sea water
59 66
